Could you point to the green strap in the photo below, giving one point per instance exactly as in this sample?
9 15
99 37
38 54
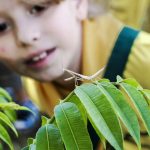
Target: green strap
120 53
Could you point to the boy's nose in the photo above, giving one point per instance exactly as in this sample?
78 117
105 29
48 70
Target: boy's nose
28 38
28 35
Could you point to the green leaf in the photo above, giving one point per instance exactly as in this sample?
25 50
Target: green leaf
133 82
104 80
30 141
72 128
4 136
25 148
139 102
48 138
146 94
11 114
5 94
119 79
130 81
32 147
3 99
6 120
101 114
122 109
44 120
13 106
74 99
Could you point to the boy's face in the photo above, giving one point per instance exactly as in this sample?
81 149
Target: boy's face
39 39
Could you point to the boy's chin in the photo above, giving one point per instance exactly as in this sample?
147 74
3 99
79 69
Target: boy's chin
47 77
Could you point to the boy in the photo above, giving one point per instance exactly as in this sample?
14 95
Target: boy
40 38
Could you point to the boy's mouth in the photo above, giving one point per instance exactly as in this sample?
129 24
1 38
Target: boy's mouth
36 59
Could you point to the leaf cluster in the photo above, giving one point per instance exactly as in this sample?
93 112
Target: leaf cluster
7 117
106 105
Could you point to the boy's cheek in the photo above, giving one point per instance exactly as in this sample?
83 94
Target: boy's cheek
5 55
2 50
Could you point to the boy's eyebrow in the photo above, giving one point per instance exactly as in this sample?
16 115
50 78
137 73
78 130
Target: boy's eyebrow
39 1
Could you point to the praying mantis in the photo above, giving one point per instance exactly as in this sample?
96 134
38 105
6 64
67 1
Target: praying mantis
81 77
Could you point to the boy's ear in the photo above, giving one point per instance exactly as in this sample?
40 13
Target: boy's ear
82 9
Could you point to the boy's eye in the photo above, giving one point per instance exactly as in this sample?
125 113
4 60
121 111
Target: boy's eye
37 9
3 27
